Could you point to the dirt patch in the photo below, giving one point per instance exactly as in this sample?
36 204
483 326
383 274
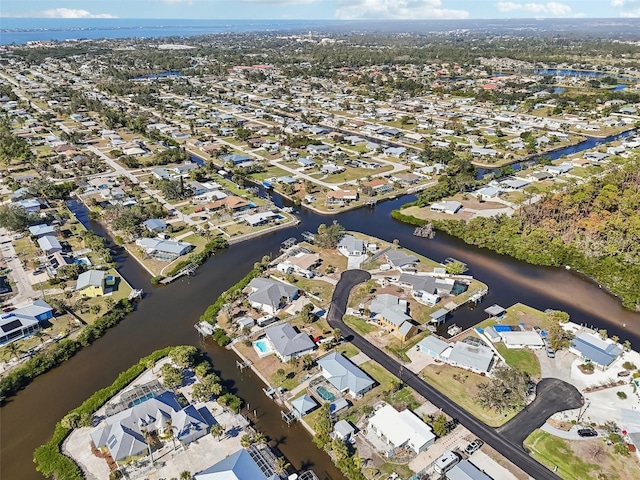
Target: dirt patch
502 461
559 424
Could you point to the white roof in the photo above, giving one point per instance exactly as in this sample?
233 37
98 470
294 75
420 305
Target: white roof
529 338
401 427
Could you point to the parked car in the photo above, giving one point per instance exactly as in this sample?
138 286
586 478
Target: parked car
587 432
473 446
551 353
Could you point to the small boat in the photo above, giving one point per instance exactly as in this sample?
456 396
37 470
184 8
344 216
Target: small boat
204 328
288 209
454 330
267 185
135 294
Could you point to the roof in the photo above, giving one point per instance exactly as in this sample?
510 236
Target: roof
528 338
154 224
391 308
433 344
400 427
270 292
398 258
448 206
495 310
475 357
49 242
304 404
90 278
258 218
441 312
41 229
286 341
351 244
595 349
343 374
153 244
343 428
304 260
465 470
237 466
426 283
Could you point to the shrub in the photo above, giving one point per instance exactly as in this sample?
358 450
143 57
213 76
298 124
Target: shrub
622 395
628 366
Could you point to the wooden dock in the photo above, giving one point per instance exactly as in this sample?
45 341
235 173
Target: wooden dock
188 270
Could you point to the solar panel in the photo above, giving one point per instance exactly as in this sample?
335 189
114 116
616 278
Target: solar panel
8 327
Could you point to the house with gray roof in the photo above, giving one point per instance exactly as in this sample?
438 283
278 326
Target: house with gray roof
163 249
401 260
449 206
155 225
391 311
593 348
476 358
433 346
351 246
343 430
428 289
40 230
240 465
465 470
303 405
344 375
91 281
269 295
287 342
49 244
123 434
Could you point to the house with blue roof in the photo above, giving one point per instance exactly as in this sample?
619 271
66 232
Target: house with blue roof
236 159
240 465
344 375
155 225
594 349
23 321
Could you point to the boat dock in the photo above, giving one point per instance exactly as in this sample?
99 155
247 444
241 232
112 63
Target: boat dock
204 328
188 270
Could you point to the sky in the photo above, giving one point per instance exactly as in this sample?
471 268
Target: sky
320 9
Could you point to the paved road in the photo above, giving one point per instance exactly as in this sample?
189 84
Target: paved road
552 396
514 452
20 278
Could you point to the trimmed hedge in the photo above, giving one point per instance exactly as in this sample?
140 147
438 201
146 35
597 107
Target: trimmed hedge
66 348
49 459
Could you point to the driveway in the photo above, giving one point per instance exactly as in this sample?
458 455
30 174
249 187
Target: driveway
18 273
552 396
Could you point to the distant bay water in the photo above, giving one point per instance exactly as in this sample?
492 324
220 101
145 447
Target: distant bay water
23 30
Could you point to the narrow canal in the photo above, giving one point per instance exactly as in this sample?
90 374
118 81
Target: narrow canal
167 314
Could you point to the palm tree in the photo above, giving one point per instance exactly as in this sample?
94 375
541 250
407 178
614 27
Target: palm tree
185 475
259 438
246 441
13 350
148 438
169 428
39 334
218 430
294 362
280 465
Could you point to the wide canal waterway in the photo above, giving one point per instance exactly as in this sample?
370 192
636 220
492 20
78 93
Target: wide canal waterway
167 314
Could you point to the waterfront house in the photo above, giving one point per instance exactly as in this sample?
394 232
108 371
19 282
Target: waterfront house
401 260
594 349
236 159
49 244
286 342
378 185
31 205
91 283
261 218
164 250
439 316
344 375
123 434
303 405
24 320
395 430
450 206
434 346
521 339
270 296
391 312
240 465
341 197
351 246
231 203
427 284
343 430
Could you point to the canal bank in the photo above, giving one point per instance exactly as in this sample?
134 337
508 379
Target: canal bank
168 314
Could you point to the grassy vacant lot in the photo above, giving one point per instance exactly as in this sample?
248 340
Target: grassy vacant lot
319 288
553 451
379 374
523 359
359 325
441 377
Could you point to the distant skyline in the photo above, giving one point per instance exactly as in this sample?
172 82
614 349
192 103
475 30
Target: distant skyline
320 9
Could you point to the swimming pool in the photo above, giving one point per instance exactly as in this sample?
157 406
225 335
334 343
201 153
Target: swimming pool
262 348
325 394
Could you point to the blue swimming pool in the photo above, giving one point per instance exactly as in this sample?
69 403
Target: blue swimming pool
262 346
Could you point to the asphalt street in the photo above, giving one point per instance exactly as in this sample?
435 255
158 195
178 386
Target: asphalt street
502 443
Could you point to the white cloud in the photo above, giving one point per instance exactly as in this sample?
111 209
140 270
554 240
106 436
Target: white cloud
280 2
62 13
628 8
553 9
396 9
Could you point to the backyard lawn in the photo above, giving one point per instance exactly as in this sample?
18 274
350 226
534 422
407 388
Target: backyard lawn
522 359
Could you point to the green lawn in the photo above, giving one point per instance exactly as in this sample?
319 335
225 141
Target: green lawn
379 374
347 349
553 451
523 359
463 391
359 325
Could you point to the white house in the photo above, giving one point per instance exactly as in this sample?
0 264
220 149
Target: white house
351 246
401 430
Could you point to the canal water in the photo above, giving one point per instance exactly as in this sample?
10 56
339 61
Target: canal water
167 314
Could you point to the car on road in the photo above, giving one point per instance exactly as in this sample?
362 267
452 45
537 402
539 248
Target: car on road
473 446
551 353
587 432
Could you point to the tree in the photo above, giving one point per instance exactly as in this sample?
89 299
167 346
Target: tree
246 441
185 475
506 391
218 430
307 314
307 362
171 376
281 375
295 363
456 268
328 237
13 350
15 218
184 355
148 438
200 393
337 334
280 465
559 338
440 426
323 426
259 439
